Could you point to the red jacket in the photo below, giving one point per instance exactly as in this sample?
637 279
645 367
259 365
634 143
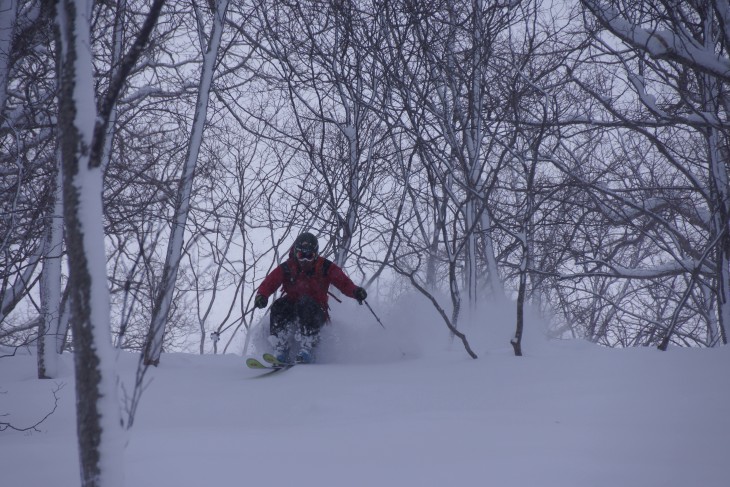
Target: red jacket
314 281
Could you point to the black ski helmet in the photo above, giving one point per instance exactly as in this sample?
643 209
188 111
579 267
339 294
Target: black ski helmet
306 246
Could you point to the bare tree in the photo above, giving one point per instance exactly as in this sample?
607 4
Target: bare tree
82 130
26 147
443 62
676 68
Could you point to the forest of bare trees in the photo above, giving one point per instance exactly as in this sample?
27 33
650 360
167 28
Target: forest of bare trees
157 159
571 156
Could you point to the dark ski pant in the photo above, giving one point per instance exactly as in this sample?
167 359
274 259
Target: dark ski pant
285 313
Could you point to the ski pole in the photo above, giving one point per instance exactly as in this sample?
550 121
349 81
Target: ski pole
373 312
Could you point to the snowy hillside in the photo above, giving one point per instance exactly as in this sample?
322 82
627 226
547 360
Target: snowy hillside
399 407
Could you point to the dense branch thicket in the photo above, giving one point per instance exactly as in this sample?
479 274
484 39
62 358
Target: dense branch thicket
573 157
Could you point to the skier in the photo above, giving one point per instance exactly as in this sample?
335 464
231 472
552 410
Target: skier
302 310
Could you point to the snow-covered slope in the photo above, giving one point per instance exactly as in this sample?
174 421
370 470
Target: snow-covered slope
399 407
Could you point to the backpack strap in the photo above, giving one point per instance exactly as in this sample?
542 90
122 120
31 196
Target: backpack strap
326 266
287 272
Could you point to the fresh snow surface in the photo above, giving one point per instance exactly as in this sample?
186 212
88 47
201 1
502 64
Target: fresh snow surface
399 407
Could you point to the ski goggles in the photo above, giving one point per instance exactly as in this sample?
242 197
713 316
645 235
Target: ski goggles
306 255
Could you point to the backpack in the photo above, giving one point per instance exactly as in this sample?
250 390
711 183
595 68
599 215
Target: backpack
322 265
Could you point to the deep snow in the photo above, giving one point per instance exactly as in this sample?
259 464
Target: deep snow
400 407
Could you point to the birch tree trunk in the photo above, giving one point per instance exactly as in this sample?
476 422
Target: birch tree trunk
82 133
163 302
116 57
495 283
9 9
48 335
718 191
98 416
348 223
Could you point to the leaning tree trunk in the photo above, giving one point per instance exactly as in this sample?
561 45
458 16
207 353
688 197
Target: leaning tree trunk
163 302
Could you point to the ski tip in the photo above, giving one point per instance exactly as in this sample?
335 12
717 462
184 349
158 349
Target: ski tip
252 363
270 358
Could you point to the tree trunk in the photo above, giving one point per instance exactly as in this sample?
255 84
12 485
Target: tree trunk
98 418
48 335
117 50
517 339
9 9
495 283
163 302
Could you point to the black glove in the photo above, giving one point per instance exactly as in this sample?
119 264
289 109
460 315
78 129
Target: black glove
260 301
360 295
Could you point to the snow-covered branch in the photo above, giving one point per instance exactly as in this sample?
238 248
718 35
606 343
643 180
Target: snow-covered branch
672 45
